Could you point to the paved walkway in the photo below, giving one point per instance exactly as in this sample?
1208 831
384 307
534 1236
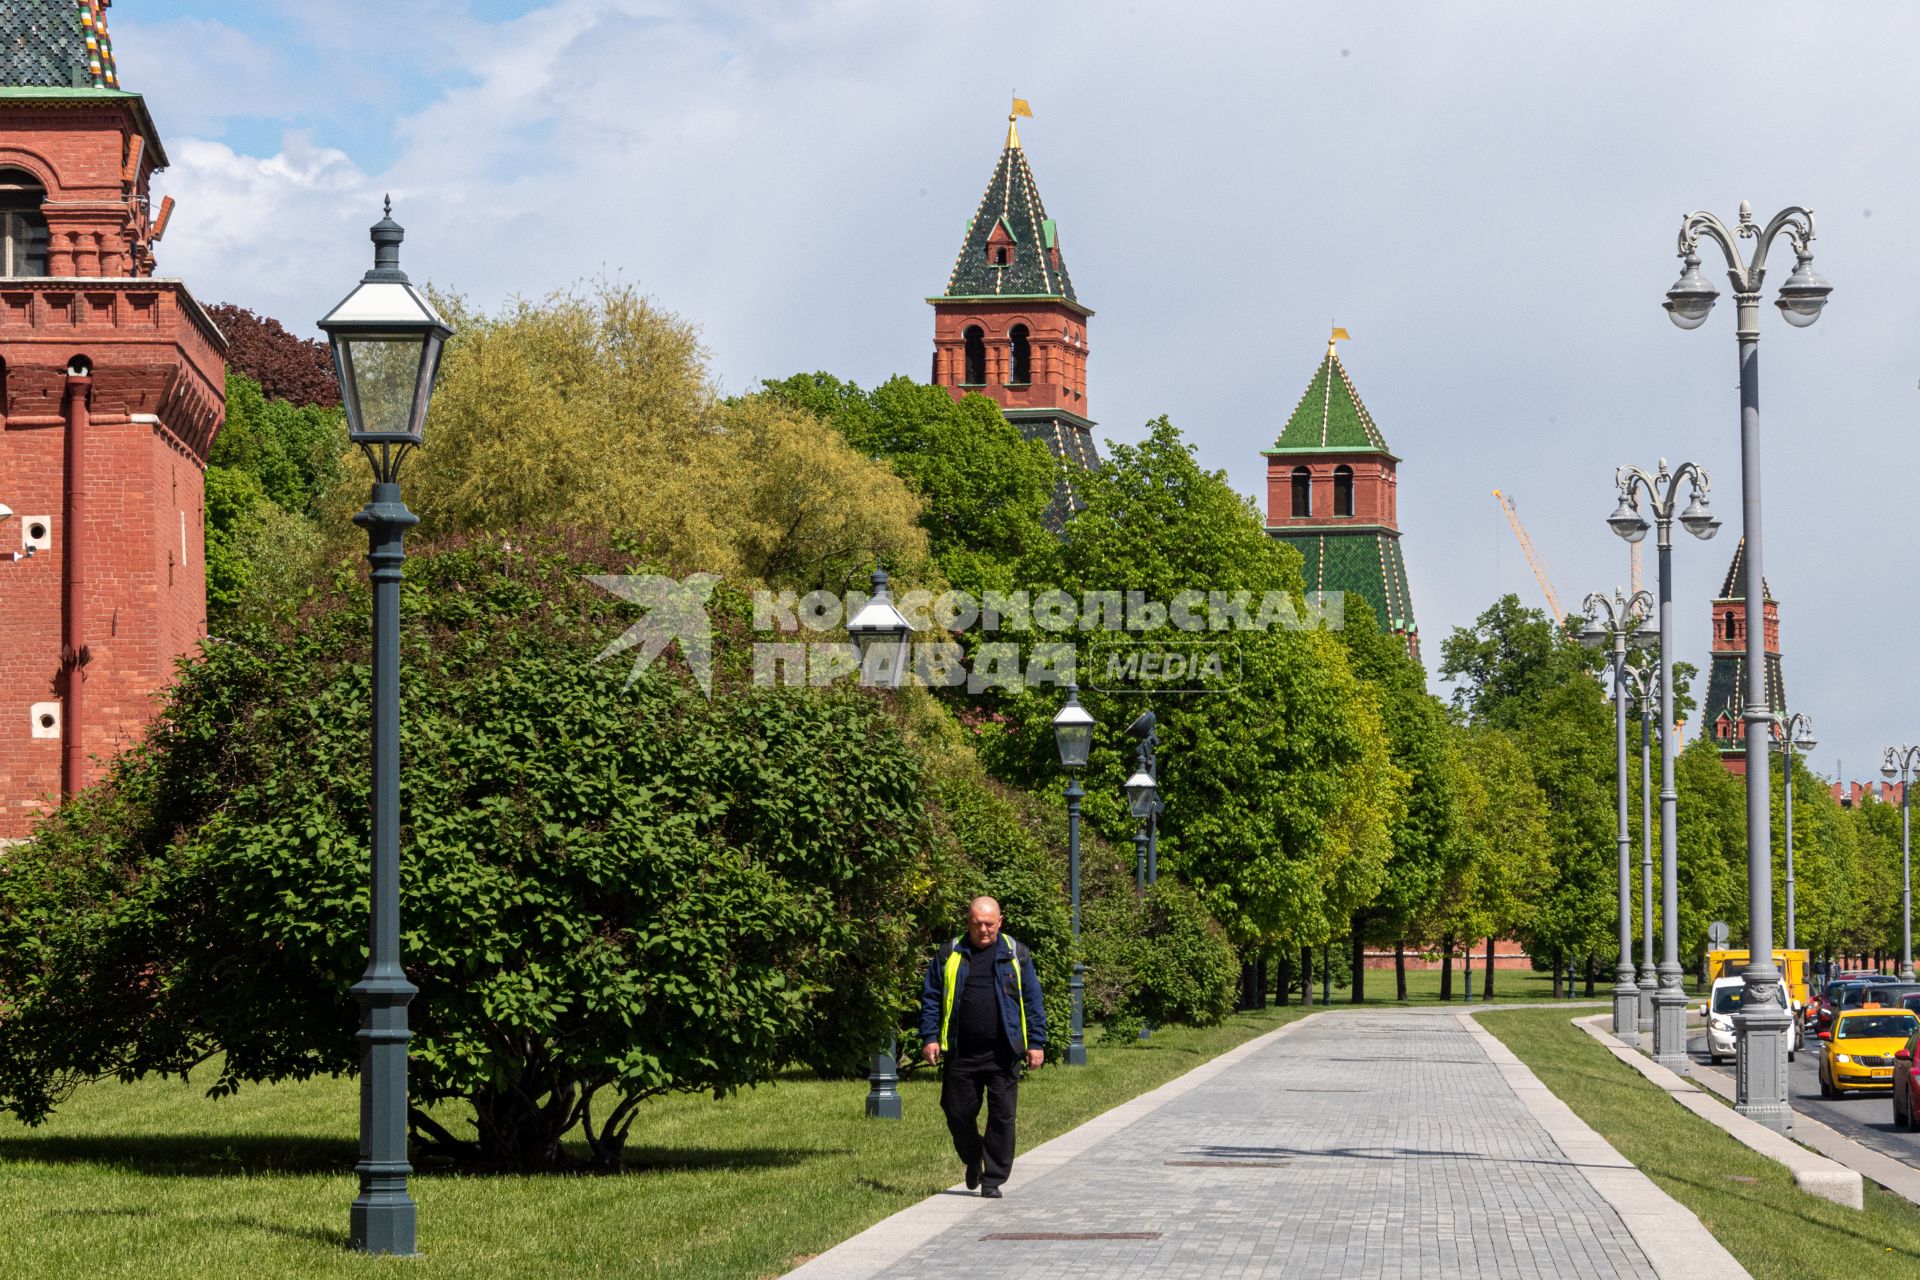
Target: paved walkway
1364 1143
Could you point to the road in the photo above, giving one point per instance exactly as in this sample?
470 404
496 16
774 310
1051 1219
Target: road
1867 1118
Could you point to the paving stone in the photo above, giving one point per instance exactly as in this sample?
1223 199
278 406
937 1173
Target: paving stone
1406 1155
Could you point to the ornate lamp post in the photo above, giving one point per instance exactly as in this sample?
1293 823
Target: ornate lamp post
1662 490
1073 727
387 340
1643 683
1143 802
1904 763
1762 1026
1796 735
1617 621
880 635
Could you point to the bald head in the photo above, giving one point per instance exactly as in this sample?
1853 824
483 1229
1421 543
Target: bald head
983 921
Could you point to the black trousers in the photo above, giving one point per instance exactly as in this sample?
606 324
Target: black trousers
968 1080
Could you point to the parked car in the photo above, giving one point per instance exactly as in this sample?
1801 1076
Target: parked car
1903 1112
1722 1003
1860 1049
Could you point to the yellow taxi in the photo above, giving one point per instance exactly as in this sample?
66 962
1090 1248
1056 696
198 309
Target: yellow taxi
1860 1048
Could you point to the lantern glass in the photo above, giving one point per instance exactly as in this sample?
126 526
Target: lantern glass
1140 794
386 380
1073 732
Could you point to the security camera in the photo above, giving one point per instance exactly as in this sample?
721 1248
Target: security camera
5 511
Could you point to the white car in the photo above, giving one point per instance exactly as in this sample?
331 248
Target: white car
1722 1003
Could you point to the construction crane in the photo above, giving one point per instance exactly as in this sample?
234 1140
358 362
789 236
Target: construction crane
1533 557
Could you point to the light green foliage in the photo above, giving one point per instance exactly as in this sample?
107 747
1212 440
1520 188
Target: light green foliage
1279 787
1517 671
985 486
594 409
270 465
1158 961
1507 854
1428 849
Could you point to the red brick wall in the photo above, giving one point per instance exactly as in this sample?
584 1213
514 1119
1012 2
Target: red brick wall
1058 363
156 397
1376 490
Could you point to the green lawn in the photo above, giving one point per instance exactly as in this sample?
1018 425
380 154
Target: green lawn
1746 1200
154 1180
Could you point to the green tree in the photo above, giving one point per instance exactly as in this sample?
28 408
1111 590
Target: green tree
985 486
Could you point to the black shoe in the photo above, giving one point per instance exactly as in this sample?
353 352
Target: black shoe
973 1176
990 1193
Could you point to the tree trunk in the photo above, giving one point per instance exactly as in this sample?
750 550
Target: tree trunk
1359 959
1489 987
1266 968
1446 966
1556 975
1589 975
1400 970
1306 976
1286 978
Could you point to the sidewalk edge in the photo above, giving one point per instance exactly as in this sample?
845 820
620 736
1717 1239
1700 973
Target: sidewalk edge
893 1238
1677 1244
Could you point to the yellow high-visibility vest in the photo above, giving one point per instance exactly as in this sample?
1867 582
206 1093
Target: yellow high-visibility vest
951 976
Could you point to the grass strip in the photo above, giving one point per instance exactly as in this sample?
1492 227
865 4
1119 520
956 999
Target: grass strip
1749 1202
153 1180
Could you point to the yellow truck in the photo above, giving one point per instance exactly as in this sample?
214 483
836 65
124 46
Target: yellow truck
1792 965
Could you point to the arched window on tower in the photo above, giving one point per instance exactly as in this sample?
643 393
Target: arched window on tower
1302 492
23 228
1343 490
976 371
1022 355
1726 626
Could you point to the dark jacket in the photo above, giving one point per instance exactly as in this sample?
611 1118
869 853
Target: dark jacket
1022 1013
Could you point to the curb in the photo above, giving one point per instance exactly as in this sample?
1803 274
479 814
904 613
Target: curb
893 1238
1902 1180
1676 1243
1813 1173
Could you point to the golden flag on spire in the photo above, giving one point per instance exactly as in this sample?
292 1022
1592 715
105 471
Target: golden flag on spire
1020 108
1338 335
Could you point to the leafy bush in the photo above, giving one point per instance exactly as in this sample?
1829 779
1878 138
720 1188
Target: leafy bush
1163 960
607 893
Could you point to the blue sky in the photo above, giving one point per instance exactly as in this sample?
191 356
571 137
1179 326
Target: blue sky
1485 194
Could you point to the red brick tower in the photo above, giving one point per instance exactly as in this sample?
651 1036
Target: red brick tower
1727 677
112 385
1009 326
1333 495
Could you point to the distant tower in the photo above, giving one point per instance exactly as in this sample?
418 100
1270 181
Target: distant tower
1333 496
1727 680
1009 325
112 385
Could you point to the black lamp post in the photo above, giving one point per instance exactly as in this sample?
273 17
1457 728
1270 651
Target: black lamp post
1073 727
881 635
1143 802
387 340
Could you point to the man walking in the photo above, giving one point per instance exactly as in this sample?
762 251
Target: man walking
981 1007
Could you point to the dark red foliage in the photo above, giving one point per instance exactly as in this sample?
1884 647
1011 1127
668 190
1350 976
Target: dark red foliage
286 366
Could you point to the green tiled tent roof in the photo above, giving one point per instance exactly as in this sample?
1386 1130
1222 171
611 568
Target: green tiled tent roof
1037 269
1330 415
56 44
1362 562
1735 585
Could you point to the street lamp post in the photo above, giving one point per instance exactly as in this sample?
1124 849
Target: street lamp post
1143 802
881 634
1662 489
1904 763
1763 1025
1796 735
1616 621
386 339
1073 727
1644 682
